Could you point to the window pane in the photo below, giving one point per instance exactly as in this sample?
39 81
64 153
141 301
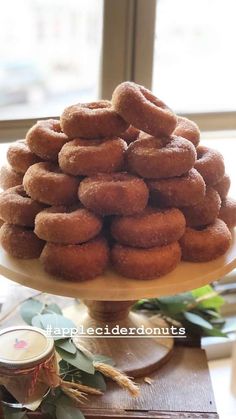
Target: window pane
195 54
49 55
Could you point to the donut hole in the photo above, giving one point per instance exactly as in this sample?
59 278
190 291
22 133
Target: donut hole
53 125
89 143
200 228
153 99
200 154
55 169
153 143
120 177
97 105
22 193
64 209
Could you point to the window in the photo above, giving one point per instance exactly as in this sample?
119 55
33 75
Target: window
194 55
50 54
55 53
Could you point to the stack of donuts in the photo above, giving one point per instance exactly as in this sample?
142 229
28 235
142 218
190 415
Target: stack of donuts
121 184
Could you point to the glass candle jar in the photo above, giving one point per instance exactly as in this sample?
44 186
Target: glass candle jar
28 365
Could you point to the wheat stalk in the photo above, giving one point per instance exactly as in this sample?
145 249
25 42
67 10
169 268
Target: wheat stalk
119 377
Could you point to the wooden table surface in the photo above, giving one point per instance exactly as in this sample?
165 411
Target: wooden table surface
180 389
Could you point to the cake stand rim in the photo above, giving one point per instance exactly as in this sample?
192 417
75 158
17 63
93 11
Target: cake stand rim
108 287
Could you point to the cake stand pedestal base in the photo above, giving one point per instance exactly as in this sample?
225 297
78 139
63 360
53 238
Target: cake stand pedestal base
131 346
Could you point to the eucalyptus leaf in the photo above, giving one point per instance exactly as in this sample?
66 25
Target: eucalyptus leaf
103 358
230 326
66 410
11 413
212 313
212 302
215 332
58 325
67 345
64 366
52 308
30 309
36 321
197 320
79 360
48 408
175 304
146 304
97 380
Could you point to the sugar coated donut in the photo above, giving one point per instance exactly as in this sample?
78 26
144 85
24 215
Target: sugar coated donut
92 120
187 129
143 110
76 262
210 164
228 212
114 194
45 183
205 212
150 263
67 225
130 135
150 228
222 187
20 242
157 158
17 208
20 157
46 139
205 244
9 178
177 192
83 157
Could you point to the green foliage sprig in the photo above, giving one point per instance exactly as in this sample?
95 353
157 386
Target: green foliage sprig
75 366
198 311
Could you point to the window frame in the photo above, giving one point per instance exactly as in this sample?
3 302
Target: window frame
127 54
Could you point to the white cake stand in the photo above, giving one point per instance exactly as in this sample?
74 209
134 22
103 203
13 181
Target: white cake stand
109 298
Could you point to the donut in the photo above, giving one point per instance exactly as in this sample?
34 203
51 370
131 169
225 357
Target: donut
185 190
1 222
222 187
210 164
46 139
114 194
67 225
155 158
228 212
45 183
76 262
187 129
153 227
20 242
143 110
130 135
83 157
205 212
92 120
17 208
20 157
206 243
9 178
150 263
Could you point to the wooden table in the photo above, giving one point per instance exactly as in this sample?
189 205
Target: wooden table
180 389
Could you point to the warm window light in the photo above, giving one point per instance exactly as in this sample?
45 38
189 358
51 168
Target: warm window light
194 58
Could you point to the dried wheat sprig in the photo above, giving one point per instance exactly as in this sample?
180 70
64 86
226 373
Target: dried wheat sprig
75 395
81 387
117 376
